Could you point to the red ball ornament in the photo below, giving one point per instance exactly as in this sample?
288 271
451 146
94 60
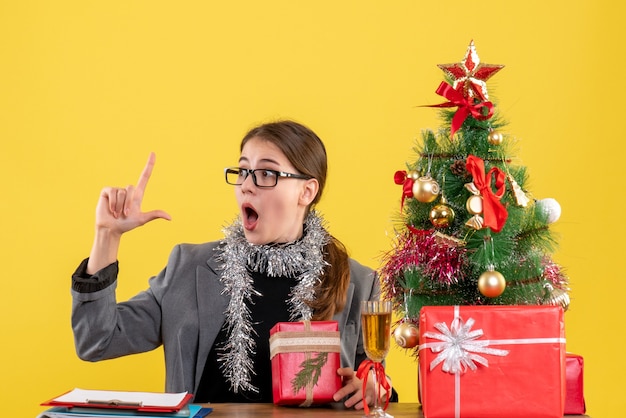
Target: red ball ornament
406 335
491 284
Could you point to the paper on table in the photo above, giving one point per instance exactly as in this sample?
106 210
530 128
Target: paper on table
145 399
62 412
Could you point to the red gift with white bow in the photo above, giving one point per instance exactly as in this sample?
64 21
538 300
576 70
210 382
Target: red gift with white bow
492 361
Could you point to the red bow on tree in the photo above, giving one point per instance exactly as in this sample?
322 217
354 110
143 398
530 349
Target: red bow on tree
407 185
465 107
494 212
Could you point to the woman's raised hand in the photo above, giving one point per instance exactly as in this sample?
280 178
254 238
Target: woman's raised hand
119 211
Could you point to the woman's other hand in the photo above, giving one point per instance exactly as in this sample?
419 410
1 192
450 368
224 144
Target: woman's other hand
353 389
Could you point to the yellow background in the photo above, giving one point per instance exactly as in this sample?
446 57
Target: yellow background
88 89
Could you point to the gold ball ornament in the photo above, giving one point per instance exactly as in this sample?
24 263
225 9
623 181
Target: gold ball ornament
425 189
560 298
414 175
557 297
495 138
441 216
406 335
491 284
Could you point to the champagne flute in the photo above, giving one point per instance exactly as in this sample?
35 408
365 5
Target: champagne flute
376 324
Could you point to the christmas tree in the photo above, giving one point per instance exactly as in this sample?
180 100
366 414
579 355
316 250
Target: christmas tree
469 232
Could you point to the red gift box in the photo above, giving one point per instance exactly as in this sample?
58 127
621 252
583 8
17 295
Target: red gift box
305 358
492 361
574 397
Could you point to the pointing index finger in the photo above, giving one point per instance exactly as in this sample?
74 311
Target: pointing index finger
145 174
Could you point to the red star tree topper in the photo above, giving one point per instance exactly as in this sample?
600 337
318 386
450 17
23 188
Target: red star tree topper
470 75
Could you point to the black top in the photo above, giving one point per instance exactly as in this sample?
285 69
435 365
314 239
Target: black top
266 311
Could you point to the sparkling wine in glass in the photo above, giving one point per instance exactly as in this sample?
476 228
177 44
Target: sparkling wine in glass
376 324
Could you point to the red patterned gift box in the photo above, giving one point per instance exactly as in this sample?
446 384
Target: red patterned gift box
305 358
492 361
574 397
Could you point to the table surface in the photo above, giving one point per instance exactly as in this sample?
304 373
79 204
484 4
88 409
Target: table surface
252 410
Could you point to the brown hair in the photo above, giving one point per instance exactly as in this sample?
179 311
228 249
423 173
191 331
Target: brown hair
306 152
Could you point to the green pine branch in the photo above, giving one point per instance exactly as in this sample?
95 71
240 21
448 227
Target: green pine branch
310 372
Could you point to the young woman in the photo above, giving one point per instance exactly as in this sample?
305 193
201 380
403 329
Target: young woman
213 305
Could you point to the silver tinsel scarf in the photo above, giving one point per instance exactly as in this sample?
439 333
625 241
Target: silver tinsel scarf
302 259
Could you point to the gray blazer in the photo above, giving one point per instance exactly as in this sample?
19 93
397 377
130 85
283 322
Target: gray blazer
183 309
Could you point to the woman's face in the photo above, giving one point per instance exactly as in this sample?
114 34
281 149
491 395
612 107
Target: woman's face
272 215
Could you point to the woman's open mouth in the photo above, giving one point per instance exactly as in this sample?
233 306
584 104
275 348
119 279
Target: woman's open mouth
249 216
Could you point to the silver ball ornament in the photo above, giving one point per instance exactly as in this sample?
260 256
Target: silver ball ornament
551 208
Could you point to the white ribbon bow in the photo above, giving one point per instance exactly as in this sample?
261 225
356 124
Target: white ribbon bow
458 347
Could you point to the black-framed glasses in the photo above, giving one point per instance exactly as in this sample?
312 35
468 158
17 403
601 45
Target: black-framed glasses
261 177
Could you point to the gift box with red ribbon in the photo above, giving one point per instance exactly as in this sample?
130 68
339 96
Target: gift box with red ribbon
492 361
305 358
574 396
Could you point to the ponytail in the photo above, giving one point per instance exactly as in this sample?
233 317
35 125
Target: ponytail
330 292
